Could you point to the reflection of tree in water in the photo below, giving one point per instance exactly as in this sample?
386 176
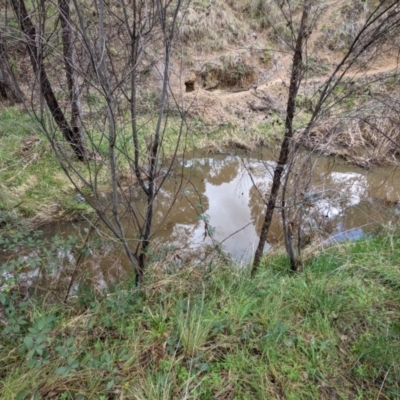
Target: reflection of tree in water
256 202
261 177
189 203
200 171
223 170
182 236
210 175
329 202
185 209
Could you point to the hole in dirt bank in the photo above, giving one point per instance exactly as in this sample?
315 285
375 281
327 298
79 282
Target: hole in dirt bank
189 86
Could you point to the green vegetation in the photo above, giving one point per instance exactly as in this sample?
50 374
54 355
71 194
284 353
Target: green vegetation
204 330
210 331
34 187
32 182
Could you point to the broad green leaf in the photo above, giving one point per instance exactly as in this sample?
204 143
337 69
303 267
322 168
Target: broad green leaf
28 342
41 324
61 370
22 395
70 341
110 384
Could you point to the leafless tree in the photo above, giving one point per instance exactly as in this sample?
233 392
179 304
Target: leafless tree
295 81
34 45
112 54
380 27
67 35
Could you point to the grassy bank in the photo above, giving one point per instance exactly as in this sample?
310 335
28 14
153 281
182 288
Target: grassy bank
34 187
331 331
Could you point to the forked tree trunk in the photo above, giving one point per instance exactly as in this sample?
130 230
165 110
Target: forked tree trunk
9 88
75 140
285 147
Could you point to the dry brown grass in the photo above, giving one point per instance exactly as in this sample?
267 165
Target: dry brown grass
363 143
212 26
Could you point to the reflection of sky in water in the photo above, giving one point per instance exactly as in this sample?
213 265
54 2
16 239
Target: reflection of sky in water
227 187
346 190
340 202
229 207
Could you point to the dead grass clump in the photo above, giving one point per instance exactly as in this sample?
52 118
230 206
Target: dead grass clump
263 14
362 143
210 26
213 148
341 38
232 69
252 10
242 145
183 277
347 23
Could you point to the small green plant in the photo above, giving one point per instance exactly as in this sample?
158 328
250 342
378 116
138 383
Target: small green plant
193 328
36 343
223 335
66 354
266 56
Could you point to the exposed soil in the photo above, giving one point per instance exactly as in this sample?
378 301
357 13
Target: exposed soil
249 104
245 84
223 104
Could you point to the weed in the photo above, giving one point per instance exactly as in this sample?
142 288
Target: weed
193 327
330 329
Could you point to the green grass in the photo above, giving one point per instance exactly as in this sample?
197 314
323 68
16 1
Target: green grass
34 186
32 182
330 331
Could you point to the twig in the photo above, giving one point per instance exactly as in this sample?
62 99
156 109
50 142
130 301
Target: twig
79 260
383 383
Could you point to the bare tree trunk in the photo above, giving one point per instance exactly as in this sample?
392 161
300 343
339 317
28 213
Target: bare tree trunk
285 147
76 141
152 190
288 226
9 88
70 69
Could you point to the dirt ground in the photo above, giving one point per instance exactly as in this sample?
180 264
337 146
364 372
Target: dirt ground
267 93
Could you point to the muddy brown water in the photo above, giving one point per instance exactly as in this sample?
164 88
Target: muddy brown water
219 197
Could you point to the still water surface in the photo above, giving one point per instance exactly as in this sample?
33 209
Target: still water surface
224 195
228 192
